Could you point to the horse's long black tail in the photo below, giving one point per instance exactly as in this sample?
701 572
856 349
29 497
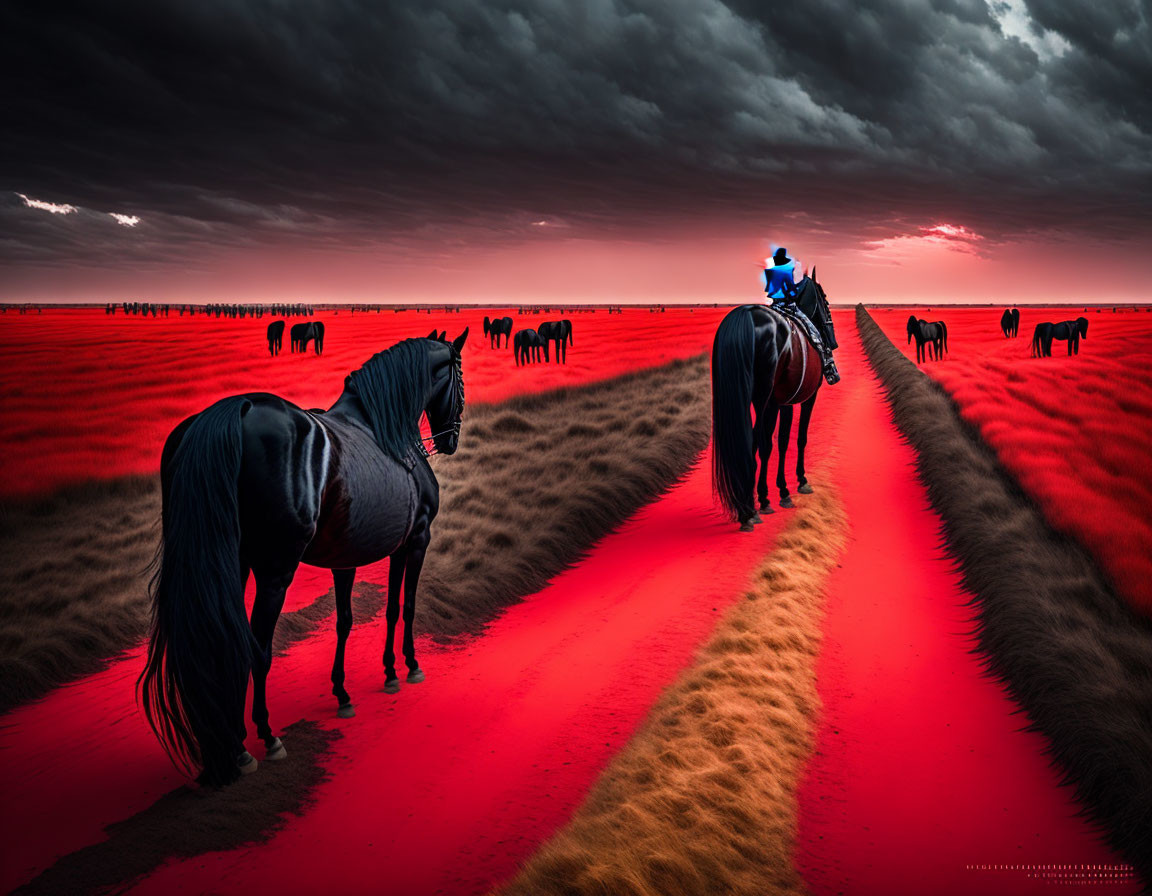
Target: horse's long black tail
733 449
201 647
944 334
1036 342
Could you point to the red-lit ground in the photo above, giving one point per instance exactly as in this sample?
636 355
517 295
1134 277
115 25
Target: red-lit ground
921 770
1073 430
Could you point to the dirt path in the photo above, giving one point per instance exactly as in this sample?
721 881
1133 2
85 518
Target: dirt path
922 775
444 788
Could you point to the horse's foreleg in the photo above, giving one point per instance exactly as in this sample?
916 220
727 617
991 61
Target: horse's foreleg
270 590
801 442
396 566
342 580
783 433
411 581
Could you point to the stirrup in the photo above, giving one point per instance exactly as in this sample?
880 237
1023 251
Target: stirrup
831 374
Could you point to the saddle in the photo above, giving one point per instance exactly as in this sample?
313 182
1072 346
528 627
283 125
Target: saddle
802 363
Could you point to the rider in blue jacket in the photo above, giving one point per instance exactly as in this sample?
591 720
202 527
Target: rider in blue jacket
780 287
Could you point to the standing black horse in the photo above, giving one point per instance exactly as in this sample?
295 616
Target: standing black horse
254 484
1010 322
302 334
762 359
559 332
494 329
1070 330
275 337
526 344
934 335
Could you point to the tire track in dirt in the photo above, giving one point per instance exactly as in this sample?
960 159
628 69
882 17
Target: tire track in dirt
922 774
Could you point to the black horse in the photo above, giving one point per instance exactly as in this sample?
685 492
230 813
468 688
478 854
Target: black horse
302 334
275 337
254 484
933 334
559 332
526 344
762 359
1070 330
494 329
1010 322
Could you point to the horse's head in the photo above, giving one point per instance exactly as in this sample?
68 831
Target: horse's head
446 396
487 325
1082 326
820 313
912 322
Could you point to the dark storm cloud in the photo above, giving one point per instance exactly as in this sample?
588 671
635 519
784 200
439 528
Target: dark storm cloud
226 123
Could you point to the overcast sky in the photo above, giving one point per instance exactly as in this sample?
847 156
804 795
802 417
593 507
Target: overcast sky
628 150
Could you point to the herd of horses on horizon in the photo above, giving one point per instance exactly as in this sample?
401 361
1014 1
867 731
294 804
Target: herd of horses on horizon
932 336
530 344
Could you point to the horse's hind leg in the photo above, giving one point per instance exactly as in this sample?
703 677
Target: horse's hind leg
765 425
342 580
396 566
782 436
270 590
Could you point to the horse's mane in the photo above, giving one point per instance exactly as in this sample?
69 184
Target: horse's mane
390 386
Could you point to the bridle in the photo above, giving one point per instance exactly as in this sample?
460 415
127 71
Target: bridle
457 409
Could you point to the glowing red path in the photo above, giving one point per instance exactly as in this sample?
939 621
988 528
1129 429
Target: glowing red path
445 787
921 768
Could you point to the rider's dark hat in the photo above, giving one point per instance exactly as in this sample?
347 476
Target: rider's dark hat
781 256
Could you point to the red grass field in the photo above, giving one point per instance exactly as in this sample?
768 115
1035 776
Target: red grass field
86 395
1073 430
449 786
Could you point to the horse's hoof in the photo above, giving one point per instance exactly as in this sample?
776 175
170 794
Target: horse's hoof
347 711
247 763
805 489
765 507
275 750
415 676
756 519
786 501
747 526
392 686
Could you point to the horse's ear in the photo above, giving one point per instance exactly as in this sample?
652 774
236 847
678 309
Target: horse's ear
458 342
433 335
813 274
443 337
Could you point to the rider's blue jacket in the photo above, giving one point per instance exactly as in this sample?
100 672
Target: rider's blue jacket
779 281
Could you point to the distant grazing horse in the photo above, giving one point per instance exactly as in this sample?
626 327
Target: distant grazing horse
526 345
934 335
1070 330
762 359
302 334
559 332
502 326
275 337
1010 322
254 484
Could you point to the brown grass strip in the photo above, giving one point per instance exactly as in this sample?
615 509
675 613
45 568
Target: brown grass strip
1069 649
537 480
703 799
191 821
